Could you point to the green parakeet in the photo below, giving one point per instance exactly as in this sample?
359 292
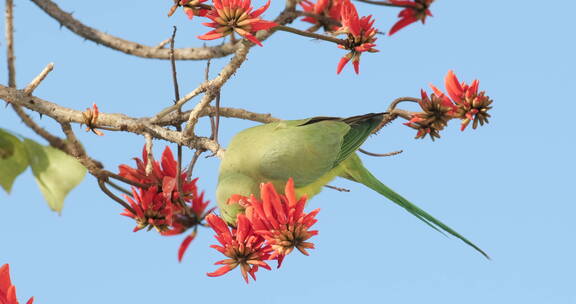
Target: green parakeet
313 152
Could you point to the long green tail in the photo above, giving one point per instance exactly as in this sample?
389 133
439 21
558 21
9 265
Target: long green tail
356 171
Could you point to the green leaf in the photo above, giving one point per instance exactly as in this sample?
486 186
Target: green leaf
55 171
13 159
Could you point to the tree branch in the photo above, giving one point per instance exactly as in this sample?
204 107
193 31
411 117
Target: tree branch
115 122
214 85
144 51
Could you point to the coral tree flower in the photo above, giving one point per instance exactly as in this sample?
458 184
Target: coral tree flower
7 290
150 209
415 10
471 105
361 36
281 220
163 175
326 8
437 111
242 246
269 229
159 206
465 102
230 16
193 8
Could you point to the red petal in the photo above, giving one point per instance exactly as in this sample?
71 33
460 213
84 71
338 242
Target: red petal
30 300
261 10
259 25
453 86
211 35
220 271
248 36
401 24
5 277
343 61
169 164
185 245
356 64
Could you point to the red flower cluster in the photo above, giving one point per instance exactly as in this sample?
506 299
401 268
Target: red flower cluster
361 36
464 103
230 16
160 205
471 105
331 9
269 230
414 10
7 290
241 245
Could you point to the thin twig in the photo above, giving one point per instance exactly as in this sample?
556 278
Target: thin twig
215 85
178 126
380 154
207 70
393 113
217 118
337 188
125 180
383 3
10 58
118 187
163 43
399 100
192 164
102 184
310 34
38 79
149 154
53 140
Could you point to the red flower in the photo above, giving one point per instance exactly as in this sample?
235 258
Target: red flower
281 220
151 210
242 246
235 16
361 36
327 8
192 8
7 290
470 105
161 174
415 10
159 206
437 111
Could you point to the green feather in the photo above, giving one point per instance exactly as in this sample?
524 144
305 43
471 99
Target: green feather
356 171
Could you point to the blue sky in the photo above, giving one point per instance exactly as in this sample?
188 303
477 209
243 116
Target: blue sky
506 186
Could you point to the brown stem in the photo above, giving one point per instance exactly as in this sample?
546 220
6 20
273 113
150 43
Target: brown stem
337 188
380 154
102 184
383 3
118 187
10 58
178 126
309 34
399 100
